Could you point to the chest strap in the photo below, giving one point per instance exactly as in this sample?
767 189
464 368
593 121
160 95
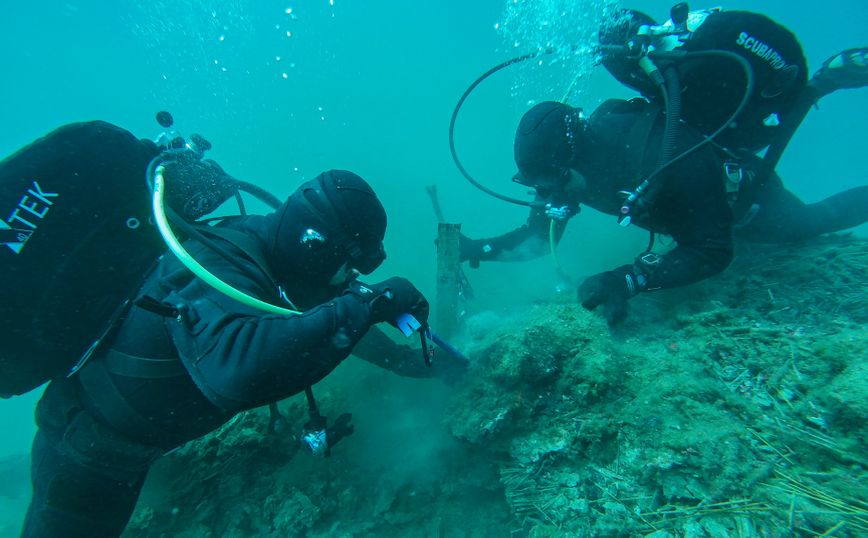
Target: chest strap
249 246
635 148
141 367
113 407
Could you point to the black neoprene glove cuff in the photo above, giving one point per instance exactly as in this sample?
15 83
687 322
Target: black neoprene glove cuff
611 289
339 430
391 298
472 250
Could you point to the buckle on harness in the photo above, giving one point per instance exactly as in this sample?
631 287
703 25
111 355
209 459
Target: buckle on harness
734 176
651 259
166 310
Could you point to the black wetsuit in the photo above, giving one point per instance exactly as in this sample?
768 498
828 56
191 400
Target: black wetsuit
100 430
689 201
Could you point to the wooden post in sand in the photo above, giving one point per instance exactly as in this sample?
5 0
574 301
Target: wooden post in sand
448 279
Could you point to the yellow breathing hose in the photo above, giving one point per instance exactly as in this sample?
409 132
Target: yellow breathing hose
552 225
553 245
195 267
570 89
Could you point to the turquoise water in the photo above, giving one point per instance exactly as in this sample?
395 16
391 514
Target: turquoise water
287 89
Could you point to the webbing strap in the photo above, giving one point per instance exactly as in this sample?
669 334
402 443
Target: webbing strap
244 242
141 367
637 141
111 404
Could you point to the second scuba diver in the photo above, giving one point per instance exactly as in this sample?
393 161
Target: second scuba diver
703 190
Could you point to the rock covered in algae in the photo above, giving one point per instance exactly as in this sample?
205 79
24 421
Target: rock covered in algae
728 408
735 407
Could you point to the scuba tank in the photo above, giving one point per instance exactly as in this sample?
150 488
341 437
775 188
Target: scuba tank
78 233
76 240
712 85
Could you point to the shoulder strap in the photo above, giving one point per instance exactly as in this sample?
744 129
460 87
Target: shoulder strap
637 141
249 246
612 106
631 157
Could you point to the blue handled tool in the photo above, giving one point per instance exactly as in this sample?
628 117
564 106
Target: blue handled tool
407 324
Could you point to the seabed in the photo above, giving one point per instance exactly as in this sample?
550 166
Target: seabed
732 408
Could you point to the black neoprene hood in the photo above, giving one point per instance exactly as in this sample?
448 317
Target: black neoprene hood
546 142
333 219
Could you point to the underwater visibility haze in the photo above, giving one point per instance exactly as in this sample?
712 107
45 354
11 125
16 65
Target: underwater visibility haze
735 406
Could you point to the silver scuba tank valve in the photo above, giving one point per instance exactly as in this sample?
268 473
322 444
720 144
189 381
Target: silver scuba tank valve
673 33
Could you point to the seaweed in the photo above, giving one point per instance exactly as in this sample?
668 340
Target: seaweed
734 407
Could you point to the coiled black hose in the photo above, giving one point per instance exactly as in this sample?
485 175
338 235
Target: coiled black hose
673 113
457 109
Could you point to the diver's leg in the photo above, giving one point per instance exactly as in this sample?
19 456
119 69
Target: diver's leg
86 478
72 501
783 217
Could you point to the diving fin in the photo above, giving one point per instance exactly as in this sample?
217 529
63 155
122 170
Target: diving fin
846 70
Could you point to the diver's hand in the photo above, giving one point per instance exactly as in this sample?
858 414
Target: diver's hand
339 430
845 70
391 298
611 289
472 250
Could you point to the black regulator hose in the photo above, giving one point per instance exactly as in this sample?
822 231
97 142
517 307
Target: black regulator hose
671 90
258 192
748 93
644 193
458 106
673 113
672 93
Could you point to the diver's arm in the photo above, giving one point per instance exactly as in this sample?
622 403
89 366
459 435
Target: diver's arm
694 259
406 361
527 242
685 264
240 358
380 350
699 219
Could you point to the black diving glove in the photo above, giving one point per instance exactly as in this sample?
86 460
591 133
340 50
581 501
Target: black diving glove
391 298
472 250
611 289
340 429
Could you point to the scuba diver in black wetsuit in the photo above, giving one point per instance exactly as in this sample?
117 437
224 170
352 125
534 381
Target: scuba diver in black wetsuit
704 182
187 357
